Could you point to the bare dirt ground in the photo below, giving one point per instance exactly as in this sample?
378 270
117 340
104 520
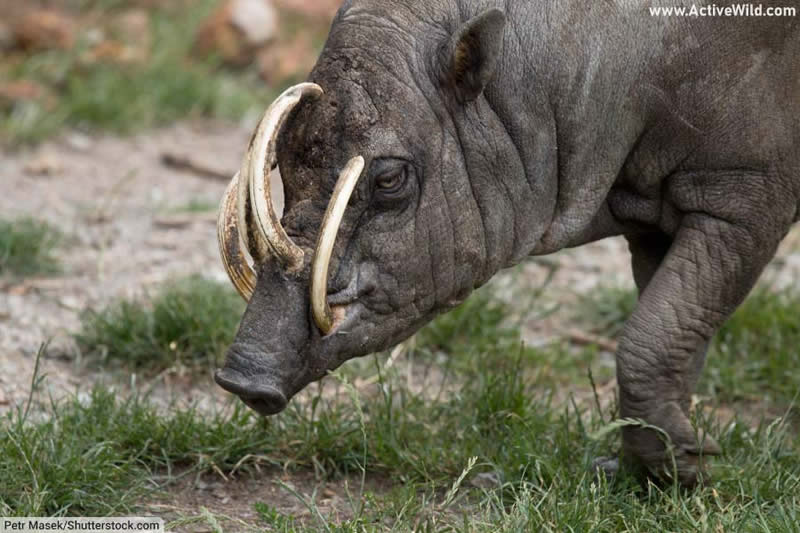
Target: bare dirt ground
127 228
232 500
122 212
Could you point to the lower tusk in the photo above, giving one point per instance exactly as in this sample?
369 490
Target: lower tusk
231 244
323 316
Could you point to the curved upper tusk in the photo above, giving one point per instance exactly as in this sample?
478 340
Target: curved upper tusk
231 244
247 222
270 235
327 237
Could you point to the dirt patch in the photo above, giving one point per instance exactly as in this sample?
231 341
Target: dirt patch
288 494
128 229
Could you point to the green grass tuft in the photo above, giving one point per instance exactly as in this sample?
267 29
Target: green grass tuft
99 456
756 354
274 518
195 205
188 322
605 309
27 246
71 463
477 324
485 331
753 356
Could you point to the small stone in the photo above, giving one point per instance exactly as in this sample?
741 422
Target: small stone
256 19
44 165
487 480
133 26
133 29
94 36
45 29
237 30
285 60
311 8
112 52
78 141
21 91
72 303
84 398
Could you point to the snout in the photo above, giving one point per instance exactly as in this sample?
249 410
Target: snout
267 363
256 392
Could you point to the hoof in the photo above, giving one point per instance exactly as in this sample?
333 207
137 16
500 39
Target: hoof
678 454
606 467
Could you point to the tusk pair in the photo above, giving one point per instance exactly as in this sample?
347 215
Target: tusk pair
247 222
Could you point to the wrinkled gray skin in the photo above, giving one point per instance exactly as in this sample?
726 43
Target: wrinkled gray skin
523 127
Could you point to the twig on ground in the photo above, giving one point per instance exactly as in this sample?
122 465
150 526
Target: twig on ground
23 287
186 164
582 338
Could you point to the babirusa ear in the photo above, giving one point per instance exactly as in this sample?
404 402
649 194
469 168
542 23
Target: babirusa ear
471 57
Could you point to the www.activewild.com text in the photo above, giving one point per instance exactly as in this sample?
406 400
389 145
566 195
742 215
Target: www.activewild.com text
713 10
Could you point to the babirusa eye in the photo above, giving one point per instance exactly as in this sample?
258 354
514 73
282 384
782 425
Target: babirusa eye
392 181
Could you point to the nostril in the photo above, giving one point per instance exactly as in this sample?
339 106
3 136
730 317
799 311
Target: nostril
268 403
368 289
261 397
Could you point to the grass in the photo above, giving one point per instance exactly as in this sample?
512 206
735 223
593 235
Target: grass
752 358
756 354
101 95
101 456
605 309
486 419
27 247
187 323
194 206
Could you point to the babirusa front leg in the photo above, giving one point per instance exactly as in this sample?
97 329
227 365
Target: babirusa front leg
724 240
